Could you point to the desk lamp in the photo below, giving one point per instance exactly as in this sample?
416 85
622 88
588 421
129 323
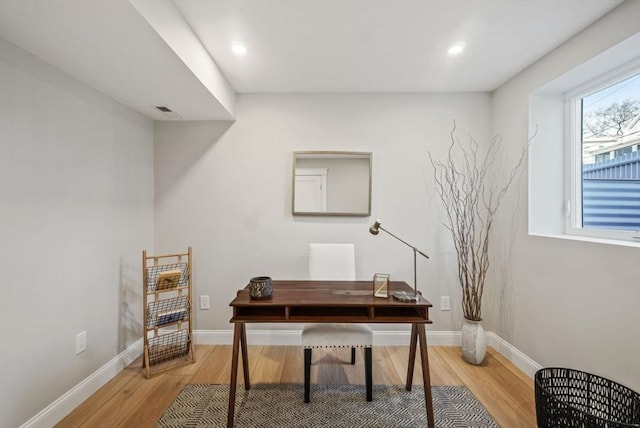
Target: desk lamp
402 295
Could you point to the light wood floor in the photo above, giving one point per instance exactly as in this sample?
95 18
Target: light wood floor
131 400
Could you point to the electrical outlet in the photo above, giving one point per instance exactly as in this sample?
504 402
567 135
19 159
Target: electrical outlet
204 302
81 342
444 303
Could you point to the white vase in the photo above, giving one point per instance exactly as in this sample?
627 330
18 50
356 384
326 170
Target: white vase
474 342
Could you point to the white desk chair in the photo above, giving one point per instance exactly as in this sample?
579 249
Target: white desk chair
335 262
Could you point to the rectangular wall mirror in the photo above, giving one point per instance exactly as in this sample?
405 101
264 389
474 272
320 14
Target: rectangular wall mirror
332 183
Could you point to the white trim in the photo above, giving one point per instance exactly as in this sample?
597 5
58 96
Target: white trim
380 338
292 337
513 354
61 407
254 337
56 411
629 243
401 338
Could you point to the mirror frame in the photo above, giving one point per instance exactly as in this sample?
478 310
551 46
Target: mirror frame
331 213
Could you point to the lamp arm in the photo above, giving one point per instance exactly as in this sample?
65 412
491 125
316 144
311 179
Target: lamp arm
404 242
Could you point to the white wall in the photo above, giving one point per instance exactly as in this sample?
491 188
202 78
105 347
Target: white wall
75 212
566 303
225 189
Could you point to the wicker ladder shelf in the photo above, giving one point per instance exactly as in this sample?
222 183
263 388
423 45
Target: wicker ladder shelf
167 311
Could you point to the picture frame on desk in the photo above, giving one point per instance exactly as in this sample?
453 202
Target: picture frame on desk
381 285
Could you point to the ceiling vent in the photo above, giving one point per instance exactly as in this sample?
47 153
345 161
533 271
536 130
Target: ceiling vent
167 112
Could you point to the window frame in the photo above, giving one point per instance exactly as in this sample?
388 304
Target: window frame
574 153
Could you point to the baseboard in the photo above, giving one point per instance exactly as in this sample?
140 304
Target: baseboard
57 410
380 338
513 354
292 337
60 408
254 337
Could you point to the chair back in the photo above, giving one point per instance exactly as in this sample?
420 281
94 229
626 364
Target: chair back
332 262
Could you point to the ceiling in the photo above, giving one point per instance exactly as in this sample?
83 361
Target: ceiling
177 53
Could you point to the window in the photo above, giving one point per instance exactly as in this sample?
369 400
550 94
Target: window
623 151
602 157
562 150
604 182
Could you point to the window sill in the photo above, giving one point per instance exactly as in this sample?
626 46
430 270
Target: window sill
619 242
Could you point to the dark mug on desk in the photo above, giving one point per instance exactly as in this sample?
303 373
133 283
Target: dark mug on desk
260 287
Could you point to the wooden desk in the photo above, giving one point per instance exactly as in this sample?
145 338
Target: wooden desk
329 301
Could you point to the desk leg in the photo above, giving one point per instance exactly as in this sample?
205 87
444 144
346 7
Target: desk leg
245 357
426 378
412 356
237 333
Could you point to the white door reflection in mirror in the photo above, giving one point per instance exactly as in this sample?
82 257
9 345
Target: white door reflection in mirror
311 190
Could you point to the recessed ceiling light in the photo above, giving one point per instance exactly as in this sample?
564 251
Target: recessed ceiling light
238 48
456 49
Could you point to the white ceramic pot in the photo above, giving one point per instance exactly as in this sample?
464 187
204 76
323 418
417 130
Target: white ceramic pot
474 342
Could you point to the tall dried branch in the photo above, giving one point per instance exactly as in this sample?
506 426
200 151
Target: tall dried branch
470 201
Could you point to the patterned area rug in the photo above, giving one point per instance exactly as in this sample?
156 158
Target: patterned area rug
335 406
